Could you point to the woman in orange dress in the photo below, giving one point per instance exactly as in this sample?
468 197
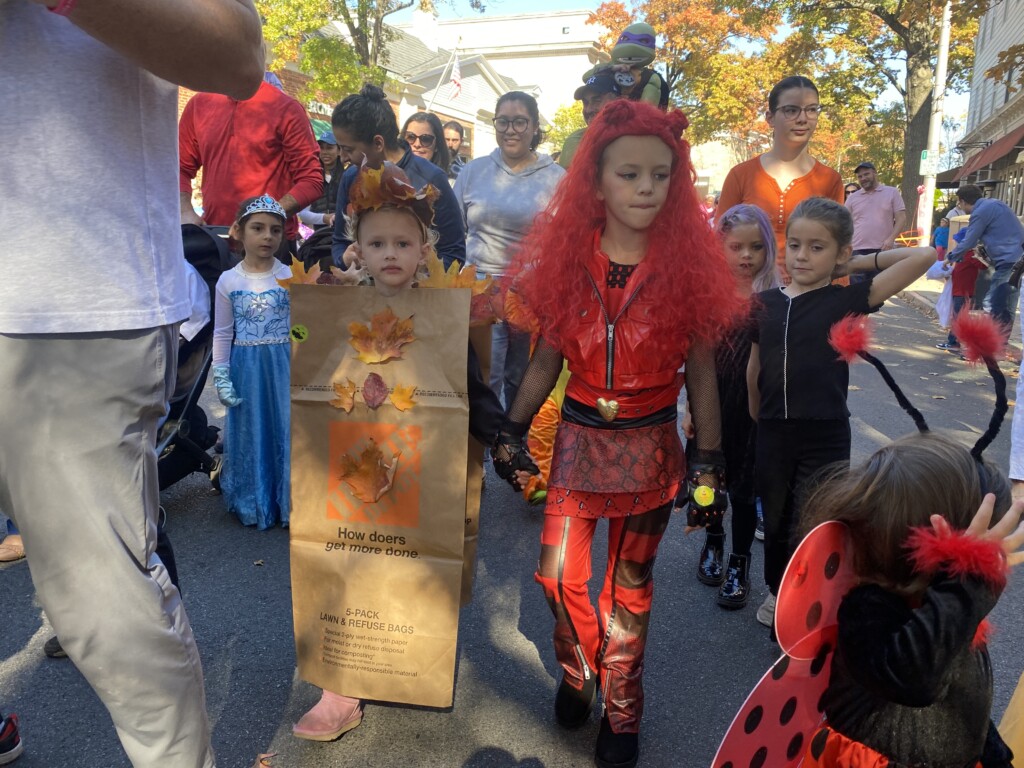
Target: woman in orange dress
785 175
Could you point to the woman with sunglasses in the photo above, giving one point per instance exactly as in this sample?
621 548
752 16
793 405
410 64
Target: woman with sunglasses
500 196
365 128
785 175
425 137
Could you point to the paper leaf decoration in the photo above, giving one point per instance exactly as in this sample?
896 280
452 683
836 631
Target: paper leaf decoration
346 396
383 339
375 391
315 275
401 398
369 478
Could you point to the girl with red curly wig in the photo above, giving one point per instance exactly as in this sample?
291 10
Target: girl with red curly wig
621 278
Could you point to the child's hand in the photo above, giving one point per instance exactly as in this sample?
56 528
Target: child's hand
351 256
1009 531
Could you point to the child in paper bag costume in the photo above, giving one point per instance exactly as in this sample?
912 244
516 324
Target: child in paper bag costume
607 276
881 612
631 59
389 223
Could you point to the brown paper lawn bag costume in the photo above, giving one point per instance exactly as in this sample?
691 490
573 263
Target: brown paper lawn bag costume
379 548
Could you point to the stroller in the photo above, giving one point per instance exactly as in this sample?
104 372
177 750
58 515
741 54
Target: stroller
184 440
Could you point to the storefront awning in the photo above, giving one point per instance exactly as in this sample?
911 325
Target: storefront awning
994 151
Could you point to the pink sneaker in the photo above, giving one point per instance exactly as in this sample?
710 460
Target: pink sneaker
332 716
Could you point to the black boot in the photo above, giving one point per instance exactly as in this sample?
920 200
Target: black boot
572 706
735 589
709 568
616 750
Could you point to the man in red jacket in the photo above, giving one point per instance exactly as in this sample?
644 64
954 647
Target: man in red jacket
263 145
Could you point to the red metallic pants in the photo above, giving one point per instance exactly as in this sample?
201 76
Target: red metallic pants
612 646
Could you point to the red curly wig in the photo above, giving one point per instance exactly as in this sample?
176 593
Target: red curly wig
689 278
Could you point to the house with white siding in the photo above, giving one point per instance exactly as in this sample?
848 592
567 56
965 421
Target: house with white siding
994 144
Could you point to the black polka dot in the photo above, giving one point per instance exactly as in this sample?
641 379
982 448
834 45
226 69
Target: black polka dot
814 615
818 743
819 661
832 565
757 761
788 710
795 745
753 720
780 668
727 765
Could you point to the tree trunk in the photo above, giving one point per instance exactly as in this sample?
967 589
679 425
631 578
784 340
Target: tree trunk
918 102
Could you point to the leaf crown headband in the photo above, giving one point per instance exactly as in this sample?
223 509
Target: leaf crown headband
264 204
388 186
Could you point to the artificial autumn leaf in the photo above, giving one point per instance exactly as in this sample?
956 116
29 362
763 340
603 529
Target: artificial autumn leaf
300 276
369 478
453 277
401 398
346 396
375 391
383 339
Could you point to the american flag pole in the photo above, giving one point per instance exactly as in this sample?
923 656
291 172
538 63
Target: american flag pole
456 79
456 70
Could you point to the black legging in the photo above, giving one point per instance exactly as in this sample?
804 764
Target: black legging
744 523
789 453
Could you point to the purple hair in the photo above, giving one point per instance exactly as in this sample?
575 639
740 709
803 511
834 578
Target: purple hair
739 215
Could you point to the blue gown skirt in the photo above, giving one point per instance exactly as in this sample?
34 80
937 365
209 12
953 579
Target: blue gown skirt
257 442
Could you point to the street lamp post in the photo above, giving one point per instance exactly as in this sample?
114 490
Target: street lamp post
930 162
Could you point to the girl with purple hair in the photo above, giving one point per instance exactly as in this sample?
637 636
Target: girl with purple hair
749 245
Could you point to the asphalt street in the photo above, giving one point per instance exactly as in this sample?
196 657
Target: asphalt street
701 660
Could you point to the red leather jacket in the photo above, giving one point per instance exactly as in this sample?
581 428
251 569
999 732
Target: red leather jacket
622 352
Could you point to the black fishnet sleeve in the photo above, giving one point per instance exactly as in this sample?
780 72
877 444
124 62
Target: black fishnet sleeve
540 378
705 409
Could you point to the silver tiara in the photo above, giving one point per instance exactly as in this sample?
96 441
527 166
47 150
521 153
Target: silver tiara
265 204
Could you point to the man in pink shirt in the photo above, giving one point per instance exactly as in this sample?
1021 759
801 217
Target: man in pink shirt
263 145
879 215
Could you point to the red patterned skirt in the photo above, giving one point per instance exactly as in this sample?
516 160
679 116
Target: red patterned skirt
614 472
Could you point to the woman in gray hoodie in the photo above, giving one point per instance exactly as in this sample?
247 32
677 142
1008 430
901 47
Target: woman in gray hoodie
500 196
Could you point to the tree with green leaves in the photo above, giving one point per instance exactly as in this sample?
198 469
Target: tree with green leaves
566 120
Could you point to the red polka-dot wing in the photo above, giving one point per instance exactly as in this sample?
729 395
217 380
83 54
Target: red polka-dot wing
775 724
818 576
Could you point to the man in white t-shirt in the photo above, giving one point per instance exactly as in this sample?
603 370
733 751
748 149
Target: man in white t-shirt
88 349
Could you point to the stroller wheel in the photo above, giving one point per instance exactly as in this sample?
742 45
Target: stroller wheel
218 466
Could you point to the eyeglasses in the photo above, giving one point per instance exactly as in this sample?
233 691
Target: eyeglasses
426 140
791 111
519 124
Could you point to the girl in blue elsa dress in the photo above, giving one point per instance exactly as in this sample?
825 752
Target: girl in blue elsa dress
251 369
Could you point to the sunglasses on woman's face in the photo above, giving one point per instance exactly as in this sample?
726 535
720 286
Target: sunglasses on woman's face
426 140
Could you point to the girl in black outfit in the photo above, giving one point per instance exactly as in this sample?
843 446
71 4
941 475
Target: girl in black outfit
797 385
911 679
749 246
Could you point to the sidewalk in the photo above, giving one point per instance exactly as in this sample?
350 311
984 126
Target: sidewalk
922 295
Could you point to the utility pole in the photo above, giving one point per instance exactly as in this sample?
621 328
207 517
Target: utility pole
930 160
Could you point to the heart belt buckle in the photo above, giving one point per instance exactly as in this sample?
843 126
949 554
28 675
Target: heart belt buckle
608 409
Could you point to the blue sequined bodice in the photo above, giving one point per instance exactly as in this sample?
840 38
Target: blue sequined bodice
261 317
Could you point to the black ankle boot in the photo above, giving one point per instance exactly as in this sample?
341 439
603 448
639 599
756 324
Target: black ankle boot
616 750
735 589
709 567
572 706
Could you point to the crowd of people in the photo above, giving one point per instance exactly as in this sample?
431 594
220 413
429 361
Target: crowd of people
601 250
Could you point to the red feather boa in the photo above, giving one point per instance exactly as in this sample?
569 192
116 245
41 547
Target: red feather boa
958 554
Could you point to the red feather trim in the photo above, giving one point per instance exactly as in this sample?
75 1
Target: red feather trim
982 635
979 335
958 554
850 336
